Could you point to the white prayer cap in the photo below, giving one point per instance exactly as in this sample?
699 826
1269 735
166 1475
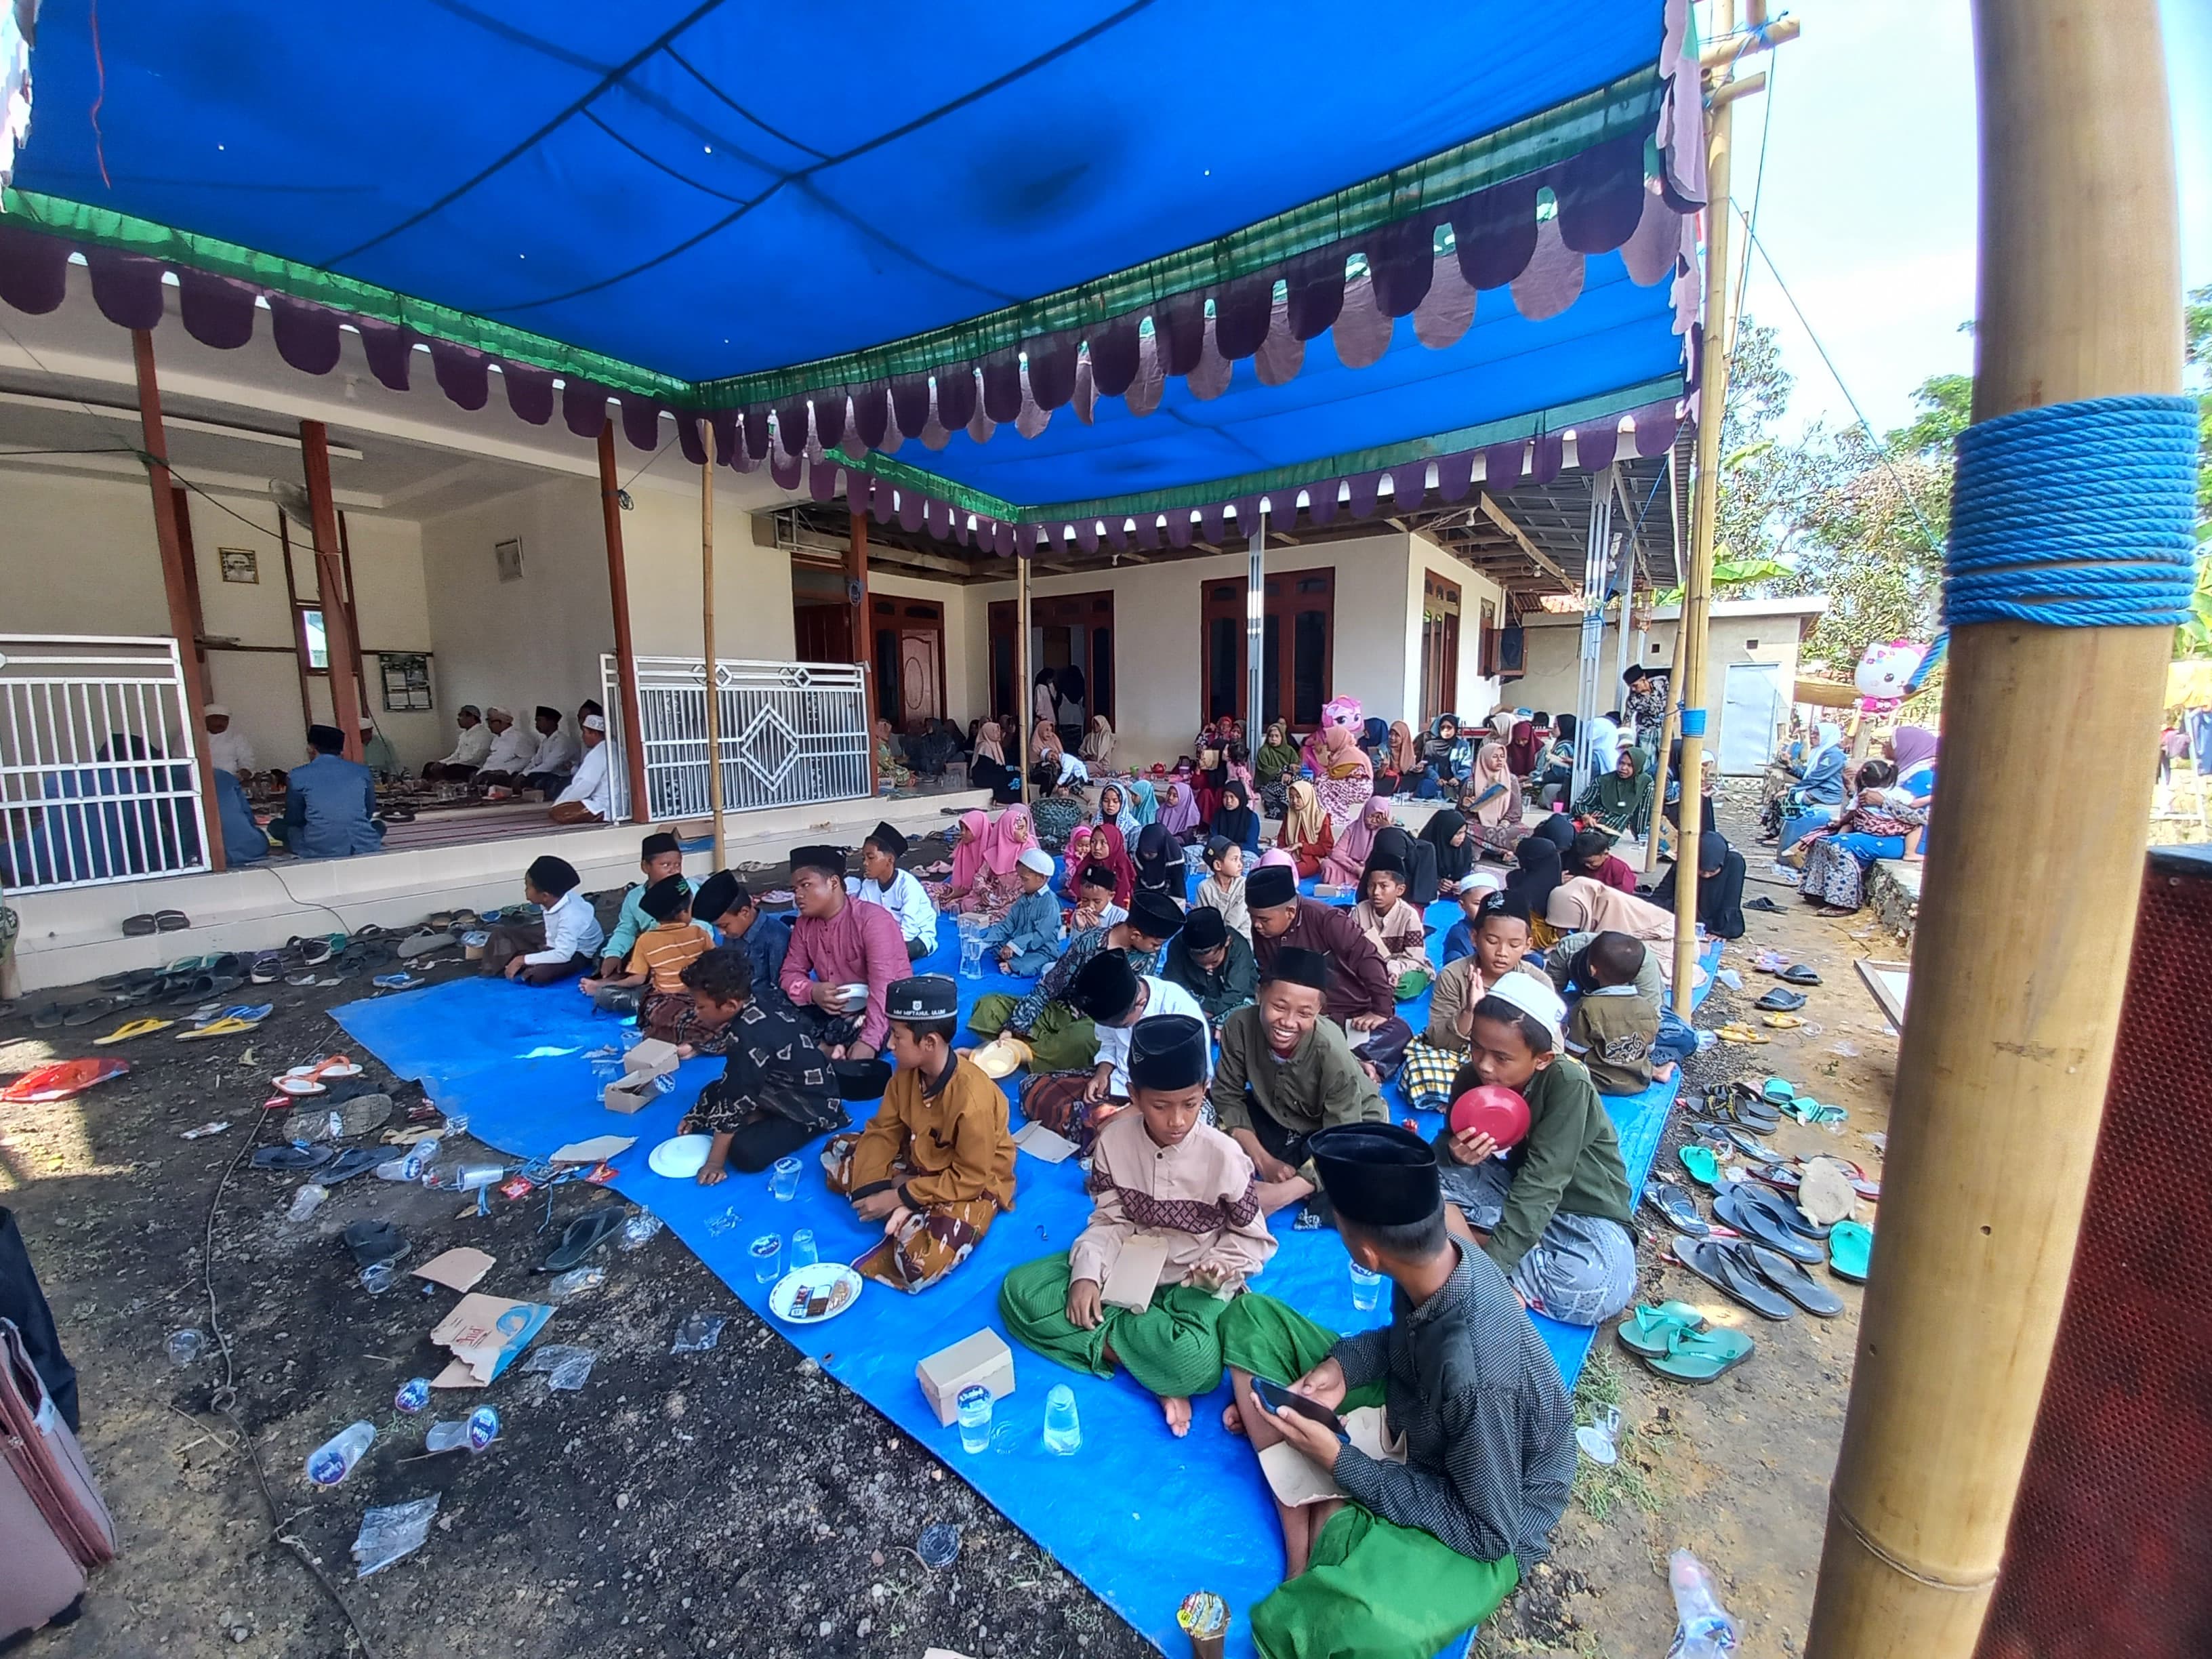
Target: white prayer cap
593 723
215 710
1037 859
1536 999
496 713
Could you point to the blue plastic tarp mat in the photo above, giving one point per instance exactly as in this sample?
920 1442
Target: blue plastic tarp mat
1139 1517
706 189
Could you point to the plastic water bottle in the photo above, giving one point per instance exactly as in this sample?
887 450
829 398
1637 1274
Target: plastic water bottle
332 1461
1703 1629
413 1395
1063 1430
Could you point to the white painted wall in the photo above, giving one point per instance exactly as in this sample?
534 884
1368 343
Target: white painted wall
79 557
1476 693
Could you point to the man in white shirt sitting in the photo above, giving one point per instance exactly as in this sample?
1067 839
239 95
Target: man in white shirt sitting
590 796
558 753
1116 996
230 751
468 754
899 891
511 750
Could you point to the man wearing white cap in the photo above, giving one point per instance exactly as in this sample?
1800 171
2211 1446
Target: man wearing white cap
590 796
228 750
377 753
468 754
512 747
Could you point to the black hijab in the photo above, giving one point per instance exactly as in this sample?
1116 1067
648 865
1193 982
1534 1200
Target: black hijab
1239 822
1452 863
1558 830
1159 862
1539 872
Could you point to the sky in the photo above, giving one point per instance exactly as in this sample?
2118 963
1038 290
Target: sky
1869 204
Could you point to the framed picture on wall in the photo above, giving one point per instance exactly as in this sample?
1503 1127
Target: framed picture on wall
406 680
240 564
507 555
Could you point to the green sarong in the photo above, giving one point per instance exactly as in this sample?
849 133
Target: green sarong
1060 1041
1171 1348
1378 1590
1412 983
1371 1588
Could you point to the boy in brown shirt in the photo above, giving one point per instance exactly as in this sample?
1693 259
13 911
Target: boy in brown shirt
936 1164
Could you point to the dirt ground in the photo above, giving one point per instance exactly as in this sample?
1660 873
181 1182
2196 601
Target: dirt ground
735 1500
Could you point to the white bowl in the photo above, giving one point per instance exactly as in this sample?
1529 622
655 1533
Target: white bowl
681 1156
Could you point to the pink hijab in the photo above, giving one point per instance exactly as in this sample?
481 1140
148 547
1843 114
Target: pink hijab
968 855
1079 854
1007 839
1357 840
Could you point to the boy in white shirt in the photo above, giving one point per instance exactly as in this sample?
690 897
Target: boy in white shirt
899 891
563 943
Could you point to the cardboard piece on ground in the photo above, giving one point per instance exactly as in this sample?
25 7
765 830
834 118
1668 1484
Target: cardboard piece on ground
983 1357
1040 1142
620 1099
1297 1480
485 1333
1135 1273
597 1149
457 1269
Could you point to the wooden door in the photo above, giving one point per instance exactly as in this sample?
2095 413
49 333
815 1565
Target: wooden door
921 694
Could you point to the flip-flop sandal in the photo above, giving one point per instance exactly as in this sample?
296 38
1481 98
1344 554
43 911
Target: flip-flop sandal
84 1013
290 1157
1761 1196
1749 1144
1704 1169
224 984
355 1160
372 1242
1763 903
422 943
228 1025
583 1236
1798 974
1755 1115
352 1088
358 1116
1778 1090
300 979
1719 1267
1779 1001
1697 1357
463 920
170 921
133 1028
315 951
1793 1282
1781 1022
1755 1222
1741 1034
1647 1328
192 988
1770 961
398 981
1782 1177
1851 1251
139 926
1678 1208
268 968
49 1018
437 921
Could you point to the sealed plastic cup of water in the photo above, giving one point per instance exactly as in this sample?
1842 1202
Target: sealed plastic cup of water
767 1258
184 1346
1063 1430
802 1251
783 1179
379 1277
974 1404
1366 1289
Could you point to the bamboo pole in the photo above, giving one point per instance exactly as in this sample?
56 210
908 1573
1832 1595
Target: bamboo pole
1698 578
2015 1000
714 676
633 719
175 585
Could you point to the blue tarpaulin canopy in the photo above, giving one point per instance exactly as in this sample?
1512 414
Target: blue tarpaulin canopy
1192 254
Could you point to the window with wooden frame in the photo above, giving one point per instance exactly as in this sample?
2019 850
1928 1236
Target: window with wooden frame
1298 646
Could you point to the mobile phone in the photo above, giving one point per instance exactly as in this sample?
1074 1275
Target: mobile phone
1277 1398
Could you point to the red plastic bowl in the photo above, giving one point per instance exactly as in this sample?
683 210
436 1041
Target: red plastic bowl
1493 1110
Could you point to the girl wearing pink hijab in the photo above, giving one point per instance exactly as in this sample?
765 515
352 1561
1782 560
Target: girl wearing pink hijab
983 864
958 892
1347 861
1079 854
1345 781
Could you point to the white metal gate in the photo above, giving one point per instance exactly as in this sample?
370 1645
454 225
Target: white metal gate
793 734
99 780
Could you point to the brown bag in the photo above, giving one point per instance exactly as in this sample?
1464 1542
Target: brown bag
54 1529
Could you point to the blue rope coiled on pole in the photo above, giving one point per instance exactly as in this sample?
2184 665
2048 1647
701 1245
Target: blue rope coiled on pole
2075 515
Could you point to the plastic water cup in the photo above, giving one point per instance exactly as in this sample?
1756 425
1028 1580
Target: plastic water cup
783 1179
802 1251
1366 1289
413 1395
971 956
767 1258
1063 1429
379 1277
974 1404
183 1346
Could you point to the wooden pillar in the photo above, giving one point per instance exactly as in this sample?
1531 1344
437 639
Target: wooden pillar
1698 576
330 582
864 635
714 672
176 586
2024 939
1024 698
633 720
